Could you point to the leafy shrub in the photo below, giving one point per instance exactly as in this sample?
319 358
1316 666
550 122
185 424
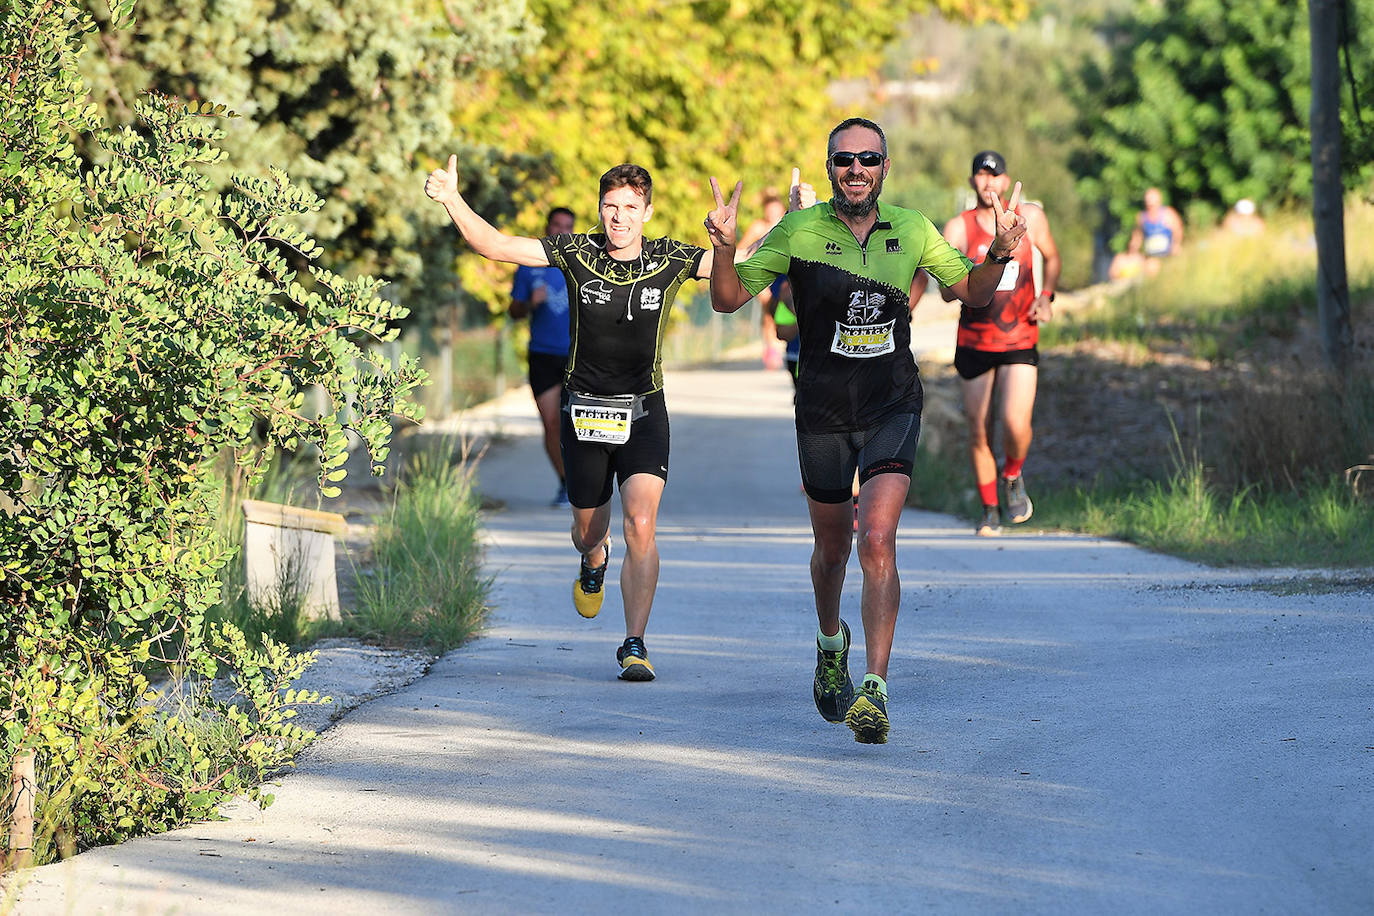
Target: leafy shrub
146 326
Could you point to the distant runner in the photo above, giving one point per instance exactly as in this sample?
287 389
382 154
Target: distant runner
542 294
996 353
614 420
851 262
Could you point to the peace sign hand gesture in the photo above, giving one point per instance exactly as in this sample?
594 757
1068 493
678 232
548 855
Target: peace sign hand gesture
1010 225
720 223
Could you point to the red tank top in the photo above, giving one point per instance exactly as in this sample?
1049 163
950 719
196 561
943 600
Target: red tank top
1004 325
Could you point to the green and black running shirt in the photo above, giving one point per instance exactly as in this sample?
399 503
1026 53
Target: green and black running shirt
852 302
619 309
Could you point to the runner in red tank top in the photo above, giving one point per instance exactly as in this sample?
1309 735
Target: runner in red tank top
996 354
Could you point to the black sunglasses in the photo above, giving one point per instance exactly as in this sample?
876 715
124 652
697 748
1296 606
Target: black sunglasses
866 159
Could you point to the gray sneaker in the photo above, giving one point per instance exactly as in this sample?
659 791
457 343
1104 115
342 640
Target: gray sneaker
991 523
1018 504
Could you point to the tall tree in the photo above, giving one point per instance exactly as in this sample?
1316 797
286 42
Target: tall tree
341 95
1209 100
732 88
1328 192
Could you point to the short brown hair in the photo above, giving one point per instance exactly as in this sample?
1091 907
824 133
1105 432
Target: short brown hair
629 176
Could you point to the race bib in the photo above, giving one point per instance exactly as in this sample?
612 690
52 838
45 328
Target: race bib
863 341
604 420
1010 274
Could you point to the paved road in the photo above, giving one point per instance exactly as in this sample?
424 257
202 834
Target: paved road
1078 726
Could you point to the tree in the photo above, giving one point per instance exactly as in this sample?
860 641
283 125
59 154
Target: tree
732 88
1208 100
341 96
954 89
1333 296
147 324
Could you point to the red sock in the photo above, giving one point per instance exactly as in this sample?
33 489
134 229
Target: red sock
1012 468
989 492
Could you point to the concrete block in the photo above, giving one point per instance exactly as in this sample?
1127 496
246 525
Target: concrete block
290 551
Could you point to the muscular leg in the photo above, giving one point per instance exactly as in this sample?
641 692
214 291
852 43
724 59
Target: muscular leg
547 404
978 413
832 524
1016 395
639 497
880 507
589 529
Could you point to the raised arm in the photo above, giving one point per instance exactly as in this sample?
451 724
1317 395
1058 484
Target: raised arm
954 233
485 239
727 292
977 288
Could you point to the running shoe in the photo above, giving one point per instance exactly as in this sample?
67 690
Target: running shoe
560 498
589 587
634 660
833 689
991 523
867 716
1019 506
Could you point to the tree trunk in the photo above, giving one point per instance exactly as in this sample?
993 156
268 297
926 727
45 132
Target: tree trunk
23 787
1328 214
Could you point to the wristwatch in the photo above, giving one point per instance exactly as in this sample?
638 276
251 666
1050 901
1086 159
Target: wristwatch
996 260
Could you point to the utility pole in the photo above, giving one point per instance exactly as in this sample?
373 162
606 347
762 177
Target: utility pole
1328 204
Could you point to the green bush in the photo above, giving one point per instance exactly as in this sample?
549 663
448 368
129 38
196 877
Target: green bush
148 325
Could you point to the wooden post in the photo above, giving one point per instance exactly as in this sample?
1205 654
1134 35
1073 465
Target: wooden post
1328 192
23 788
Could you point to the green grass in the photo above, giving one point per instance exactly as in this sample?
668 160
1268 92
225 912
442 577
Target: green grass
424 585
1324 525
1267 486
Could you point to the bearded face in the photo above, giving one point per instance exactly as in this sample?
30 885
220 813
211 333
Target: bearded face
856 190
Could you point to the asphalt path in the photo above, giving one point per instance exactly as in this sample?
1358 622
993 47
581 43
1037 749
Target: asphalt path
1078 725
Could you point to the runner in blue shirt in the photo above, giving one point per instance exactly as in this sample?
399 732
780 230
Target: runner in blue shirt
542 293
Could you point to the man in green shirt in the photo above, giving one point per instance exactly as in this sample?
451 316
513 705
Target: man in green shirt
851 262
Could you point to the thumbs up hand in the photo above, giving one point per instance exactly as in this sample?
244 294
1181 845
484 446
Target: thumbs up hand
442 184
800 194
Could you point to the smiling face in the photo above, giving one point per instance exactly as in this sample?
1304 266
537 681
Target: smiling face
623 215
856 187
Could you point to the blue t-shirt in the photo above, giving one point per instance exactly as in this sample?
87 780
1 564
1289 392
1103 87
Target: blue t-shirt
549 320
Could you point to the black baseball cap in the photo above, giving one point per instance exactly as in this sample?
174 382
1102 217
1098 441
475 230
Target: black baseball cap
989 160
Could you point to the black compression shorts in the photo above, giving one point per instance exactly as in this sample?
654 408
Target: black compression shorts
546 371
828 460
971 363
590 466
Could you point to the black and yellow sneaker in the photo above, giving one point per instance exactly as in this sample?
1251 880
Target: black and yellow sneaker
833 689
634 660
589 587
867 716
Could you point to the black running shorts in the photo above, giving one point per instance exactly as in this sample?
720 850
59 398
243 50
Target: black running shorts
828 460
546 371
590 466
971 363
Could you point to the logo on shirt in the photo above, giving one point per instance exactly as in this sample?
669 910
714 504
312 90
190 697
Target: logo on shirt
894 246
833 248
650 299
865 307
596 293
863 334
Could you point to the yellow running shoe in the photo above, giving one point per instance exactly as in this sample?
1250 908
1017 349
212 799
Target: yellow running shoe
634 660
589 586
867 716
